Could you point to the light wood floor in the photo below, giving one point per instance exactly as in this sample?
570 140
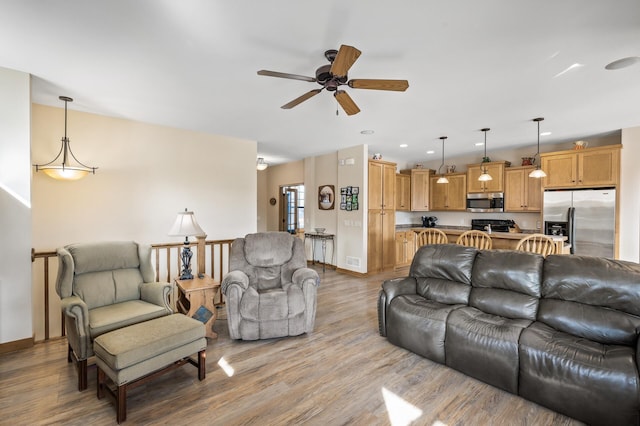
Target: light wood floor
343 373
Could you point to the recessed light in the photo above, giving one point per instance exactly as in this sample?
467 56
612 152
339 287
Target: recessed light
367 132
403 145
479 144
545 133
431 152
622 63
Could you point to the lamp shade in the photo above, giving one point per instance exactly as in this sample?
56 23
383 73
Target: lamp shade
537 173
261 164
185 225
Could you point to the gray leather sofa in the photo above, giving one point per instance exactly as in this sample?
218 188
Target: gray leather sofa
561 331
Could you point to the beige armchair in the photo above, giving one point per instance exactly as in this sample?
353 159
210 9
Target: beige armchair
103 287
269 290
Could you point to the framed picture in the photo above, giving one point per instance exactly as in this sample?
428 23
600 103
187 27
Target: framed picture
326 197
355 190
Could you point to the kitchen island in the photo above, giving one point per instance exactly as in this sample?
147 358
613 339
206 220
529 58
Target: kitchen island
500 240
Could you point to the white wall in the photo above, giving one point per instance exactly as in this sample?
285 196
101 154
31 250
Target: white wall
15 207
630 196
147 173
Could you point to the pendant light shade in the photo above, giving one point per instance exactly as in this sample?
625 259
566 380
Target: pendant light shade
485 176
538 172
442 178
66 170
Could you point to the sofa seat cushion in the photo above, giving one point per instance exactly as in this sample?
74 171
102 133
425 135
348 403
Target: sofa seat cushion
485 346
112 317
419 325
592 382
272 304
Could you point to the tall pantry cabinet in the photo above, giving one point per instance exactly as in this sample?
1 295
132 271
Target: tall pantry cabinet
382 217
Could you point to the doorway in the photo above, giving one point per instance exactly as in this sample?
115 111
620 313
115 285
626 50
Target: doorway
292 208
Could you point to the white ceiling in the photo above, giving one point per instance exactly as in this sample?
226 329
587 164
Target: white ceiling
470 64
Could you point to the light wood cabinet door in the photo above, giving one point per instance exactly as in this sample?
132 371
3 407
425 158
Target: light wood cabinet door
405 248
521 193
495 169
389 186
376 185
598 168
561 170
449 196
381 216
420 190
403 192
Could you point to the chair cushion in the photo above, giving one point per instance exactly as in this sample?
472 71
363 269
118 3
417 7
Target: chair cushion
112 317
273 304
104 256
108 287
130 345
268 249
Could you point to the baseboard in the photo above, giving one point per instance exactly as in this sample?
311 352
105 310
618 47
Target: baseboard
352 273
16 345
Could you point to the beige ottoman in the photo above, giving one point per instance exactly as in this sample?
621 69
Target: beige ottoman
135 354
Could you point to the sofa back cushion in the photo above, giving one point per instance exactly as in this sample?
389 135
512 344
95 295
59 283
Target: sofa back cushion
507 283
591 297
443 272
269 259
106 273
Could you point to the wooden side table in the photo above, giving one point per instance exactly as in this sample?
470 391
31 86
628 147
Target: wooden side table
196 299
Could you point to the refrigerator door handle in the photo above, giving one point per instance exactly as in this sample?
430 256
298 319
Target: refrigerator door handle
571 218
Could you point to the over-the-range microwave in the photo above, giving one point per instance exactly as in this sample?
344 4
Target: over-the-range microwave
486 202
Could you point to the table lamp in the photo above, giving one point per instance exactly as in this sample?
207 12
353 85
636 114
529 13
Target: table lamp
187 226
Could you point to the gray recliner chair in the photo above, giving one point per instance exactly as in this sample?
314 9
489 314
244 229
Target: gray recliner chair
269 290
103 287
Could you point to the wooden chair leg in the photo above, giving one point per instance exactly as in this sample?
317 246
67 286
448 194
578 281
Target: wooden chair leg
82 374
69 358
101 383
202 365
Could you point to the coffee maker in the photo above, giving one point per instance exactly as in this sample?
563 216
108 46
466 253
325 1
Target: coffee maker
429 221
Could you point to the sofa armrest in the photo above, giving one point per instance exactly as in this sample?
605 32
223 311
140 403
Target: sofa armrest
76 314
302 275
157 293
234 277
391 289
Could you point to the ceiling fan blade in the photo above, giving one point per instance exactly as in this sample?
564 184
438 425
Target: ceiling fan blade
346 102
396 85
286 75
345 58
301 99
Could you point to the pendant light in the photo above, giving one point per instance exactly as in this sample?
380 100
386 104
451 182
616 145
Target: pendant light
485 176
261 164
66 170
538 172
442 178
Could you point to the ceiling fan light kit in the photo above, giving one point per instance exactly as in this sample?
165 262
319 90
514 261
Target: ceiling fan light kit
334 75
485 176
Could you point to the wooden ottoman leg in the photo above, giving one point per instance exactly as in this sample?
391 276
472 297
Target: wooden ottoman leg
121 403
101 384
202 364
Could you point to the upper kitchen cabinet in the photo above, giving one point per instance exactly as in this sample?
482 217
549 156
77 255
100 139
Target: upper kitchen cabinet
521 192
450 196
382 180
403 192
419 189
588 168
494 168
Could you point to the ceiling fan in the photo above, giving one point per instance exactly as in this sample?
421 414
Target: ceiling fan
334 75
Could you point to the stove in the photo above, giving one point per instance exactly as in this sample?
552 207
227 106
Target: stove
497 225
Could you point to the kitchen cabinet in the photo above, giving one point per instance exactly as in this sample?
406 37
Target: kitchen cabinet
403 192
405 248
522 193
419 188
588 168
494 168
381 221
450 196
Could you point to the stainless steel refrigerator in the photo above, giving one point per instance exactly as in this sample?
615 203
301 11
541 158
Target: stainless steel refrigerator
587 217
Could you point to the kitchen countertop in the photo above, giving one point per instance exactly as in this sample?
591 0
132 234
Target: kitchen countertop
460 229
